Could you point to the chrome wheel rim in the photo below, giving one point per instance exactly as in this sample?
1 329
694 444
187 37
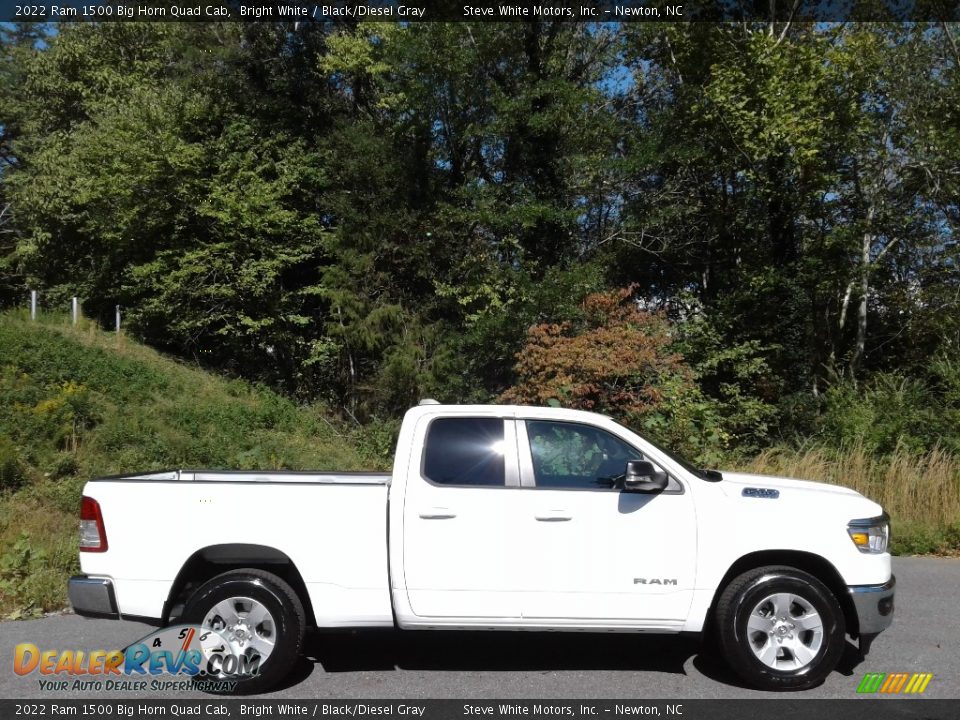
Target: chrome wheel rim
784 631
246 625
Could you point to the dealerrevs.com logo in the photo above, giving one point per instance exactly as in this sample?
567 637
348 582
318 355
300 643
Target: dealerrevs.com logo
895 683
176 658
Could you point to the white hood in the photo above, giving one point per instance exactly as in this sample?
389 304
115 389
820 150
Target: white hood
791 494
783 483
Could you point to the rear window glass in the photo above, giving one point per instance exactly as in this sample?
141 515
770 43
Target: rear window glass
465 451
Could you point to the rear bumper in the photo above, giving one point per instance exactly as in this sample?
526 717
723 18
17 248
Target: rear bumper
93 597
874 605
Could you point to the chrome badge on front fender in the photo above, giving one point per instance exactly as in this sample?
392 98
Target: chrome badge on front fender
768 493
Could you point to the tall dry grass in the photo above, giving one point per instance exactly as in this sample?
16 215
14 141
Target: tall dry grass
921 493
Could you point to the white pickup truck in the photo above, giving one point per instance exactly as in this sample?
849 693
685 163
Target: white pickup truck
496 517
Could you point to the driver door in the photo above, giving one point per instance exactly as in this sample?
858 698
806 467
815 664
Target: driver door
599 555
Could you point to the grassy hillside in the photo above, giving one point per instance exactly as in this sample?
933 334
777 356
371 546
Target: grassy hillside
79 402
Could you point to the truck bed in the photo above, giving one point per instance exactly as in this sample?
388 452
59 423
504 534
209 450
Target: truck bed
331 526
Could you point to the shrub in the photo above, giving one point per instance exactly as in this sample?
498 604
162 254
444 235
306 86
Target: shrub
888 413
63 465
737 380
378 440
11 471
65 414
618 360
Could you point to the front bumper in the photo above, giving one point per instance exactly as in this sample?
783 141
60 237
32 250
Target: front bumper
93 597
874 605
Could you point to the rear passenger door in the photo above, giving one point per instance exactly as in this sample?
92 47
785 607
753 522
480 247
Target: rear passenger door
460 520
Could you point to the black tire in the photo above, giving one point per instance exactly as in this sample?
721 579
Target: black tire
282 603
744 594
710 646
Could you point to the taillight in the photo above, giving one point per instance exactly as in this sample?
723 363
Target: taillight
93 536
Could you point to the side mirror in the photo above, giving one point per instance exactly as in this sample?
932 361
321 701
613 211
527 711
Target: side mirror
642 477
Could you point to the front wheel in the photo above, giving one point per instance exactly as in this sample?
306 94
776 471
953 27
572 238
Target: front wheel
780 628
261 621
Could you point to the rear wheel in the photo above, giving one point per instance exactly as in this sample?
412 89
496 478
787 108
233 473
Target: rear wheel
261 621
780 628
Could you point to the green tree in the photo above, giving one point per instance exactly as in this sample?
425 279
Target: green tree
162 167
470 174
779 189
18 42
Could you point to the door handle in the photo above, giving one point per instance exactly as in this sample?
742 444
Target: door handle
437 513
553 516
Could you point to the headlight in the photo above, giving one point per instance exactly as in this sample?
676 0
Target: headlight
870 535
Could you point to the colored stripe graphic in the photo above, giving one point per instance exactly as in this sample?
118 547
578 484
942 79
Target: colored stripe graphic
187 639
922 685
895 683
871 682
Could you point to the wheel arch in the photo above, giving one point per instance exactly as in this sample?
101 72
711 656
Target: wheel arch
808 562
213 560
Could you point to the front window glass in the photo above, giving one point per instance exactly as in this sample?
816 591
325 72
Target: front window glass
568 455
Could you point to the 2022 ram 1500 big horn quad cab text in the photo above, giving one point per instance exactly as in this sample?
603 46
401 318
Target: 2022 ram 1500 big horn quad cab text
497 517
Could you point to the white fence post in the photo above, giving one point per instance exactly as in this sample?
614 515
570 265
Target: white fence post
118 319
33 304
75 310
